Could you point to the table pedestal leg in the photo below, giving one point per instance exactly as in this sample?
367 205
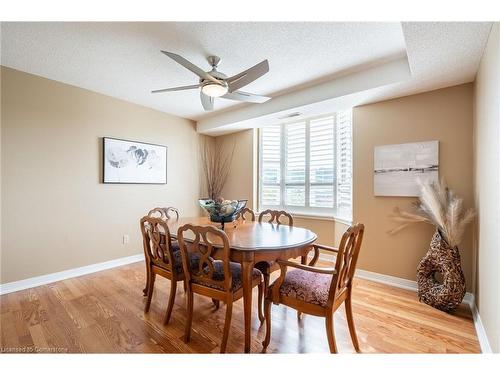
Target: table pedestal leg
303 259
247 268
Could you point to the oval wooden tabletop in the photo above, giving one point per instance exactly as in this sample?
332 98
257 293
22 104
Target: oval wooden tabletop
252 235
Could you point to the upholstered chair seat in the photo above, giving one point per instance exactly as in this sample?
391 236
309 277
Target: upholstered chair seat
193 259
306 286
236 280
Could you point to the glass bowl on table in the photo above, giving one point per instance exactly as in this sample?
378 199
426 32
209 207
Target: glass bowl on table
223 211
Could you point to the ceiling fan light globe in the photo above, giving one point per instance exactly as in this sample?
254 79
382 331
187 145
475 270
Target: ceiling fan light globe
214 90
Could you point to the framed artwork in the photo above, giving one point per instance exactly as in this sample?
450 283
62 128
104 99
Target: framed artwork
398 168
130 162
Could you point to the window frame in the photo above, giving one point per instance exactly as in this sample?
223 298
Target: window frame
306 210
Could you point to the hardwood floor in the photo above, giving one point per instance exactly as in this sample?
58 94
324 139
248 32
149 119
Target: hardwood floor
103 313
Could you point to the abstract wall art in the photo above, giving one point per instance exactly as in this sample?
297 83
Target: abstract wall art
129 162
398 168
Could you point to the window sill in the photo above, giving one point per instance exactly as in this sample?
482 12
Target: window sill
321 217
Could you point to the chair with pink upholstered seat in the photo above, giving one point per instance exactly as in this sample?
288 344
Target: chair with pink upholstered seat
319 291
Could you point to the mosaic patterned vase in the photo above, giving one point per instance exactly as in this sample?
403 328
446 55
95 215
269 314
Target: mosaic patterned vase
441 259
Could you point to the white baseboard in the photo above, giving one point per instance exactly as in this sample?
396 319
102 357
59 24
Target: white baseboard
478 324
388 280
53 277
399 282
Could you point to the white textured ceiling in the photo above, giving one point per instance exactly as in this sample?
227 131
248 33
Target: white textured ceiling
123 60
440 54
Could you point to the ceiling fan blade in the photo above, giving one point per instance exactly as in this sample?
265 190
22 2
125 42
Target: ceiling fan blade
244 78
190 66
207 102
176 89
246 97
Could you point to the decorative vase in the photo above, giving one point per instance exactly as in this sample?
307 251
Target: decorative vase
443 259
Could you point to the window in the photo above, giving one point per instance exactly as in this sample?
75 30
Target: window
306 166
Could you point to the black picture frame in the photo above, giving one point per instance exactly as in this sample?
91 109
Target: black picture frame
106 165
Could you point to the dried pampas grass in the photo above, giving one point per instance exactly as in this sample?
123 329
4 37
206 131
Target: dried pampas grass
438 206
216 161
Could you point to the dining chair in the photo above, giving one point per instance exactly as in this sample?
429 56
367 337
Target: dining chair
268 267
246 211
171 210
217 279
275 217
161 259
319 291
162 213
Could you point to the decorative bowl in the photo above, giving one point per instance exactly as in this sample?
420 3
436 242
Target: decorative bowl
223 212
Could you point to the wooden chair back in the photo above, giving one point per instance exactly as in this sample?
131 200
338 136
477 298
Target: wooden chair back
157 241
246 212
275 217
347 257
206 240
171 211
164 212
158 212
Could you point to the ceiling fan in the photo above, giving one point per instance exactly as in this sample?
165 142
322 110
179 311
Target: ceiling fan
215 84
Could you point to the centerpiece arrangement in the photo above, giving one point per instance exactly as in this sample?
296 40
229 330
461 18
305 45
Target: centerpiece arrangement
223 211
216 161
441 208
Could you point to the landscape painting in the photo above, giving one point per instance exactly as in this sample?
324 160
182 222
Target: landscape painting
129 162
398 168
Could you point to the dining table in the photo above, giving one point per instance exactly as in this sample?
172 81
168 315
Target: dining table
252 242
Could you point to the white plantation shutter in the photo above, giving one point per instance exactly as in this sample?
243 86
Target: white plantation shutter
306 167
344 164
322 162
270 176
295 164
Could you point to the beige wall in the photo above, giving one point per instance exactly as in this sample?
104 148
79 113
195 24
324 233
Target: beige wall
487 187
243 168
56 213
444 115
1 177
